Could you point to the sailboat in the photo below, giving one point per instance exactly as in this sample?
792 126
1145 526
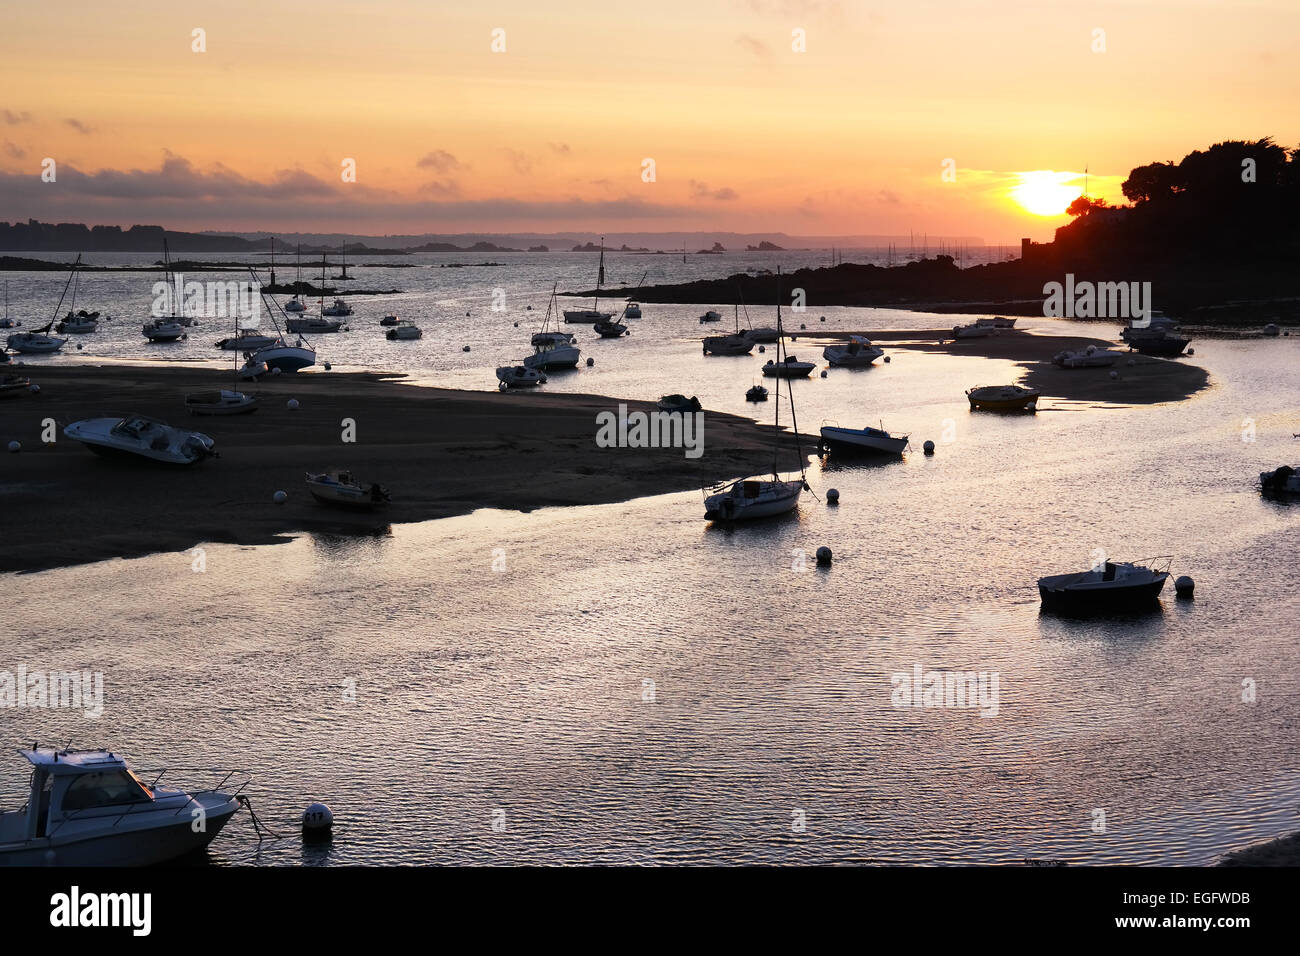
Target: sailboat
320 324
736 343
169 328
295 304
553 348
280 354
761 497
40 342
612 329
223 401
593 314
77 323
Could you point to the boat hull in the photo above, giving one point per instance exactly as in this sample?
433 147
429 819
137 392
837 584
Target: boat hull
1101 600
285 358
586 316
787 371
726 507
846 440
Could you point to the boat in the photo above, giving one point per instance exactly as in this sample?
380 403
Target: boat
221 402
403 331
974 331
752 498
1281 481
1090 357
163 330
389 320
1111 586
337 307
996 322
519 376
610 329
737 343
756 393
713 315
1003 398
295 304
679 403
35 343
553 348
245 340
858 352
762 336
11 386
1271 330
788 367
592 315
287 358
316 324
139 436
340 489
88 808
252 370
81 323
633 311
1158 335
6 322
175 299
870 440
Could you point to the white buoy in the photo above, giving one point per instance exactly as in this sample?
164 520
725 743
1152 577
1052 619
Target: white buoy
292 404
15 446
929 447
824 555
317 818
832 496
279 497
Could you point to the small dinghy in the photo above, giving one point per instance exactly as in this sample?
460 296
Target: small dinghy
1282 481
245 341
875 441
713 315
315 324
1112 586
610 329
633 311
340 489
857 353
1003 398
87 808
403 331
223 402
389 320
35 343
756 393
163 330
1091 357
678 403
138 436
519 376
11 386
788 367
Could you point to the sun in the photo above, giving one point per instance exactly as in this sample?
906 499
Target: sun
1045 192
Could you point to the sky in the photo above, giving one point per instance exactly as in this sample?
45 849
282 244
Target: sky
853 134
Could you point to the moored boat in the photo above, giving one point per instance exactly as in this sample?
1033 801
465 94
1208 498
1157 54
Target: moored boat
1281 481
713 315
163 330
81 323
858 352
337 308
633 311
1003 398
592 315
287 358
762 336
610 329
788 367
862 440
756 393
519 376
1111 586
35 343
973 331
316 324
996 322
245 340
403 331
1090 357
221 402
139 436
678 403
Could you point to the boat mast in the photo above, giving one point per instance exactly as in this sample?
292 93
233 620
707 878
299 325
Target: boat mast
600 276
780 338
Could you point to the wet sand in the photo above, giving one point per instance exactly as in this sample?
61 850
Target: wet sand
439 452
1284 851
1148 381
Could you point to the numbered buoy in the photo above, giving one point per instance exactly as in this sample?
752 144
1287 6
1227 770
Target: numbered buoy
317 820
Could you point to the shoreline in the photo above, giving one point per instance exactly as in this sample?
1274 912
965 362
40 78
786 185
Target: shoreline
440 452
1280 851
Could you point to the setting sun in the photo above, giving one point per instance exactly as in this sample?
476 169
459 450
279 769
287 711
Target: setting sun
1045 192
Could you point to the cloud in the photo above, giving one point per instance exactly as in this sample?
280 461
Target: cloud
560 149
522 162
702 191
79 126
439 161
17 152
754 46
13 119
449 189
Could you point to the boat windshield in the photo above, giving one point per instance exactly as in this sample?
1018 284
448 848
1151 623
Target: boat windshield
104 788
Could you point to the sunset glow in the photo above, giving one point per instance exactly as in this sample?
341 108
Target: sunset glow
1046 193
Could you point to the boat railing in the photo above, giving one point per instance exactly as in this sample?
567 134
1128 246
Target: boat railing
229 782
1160 563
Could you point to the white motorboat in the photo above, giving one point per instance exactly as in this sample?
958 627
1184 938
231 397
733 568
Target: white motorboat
338 307
552 348
713 315
141 437
858 352
1281 481
246 340
633 311
519 376
295 305
287 358
788 367
251 370
996 322
403 331
87 808
314 323
871 440
221 402
1090 357
592 315
340 489
163 330
975 331
1111 586
81 323
35 343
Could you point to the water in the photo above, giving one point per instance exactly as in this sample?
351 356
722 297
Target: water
525 690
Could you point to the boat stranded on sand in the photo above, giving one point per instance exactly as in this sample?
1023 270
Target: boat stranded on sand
519 376
138 436
678 403
1090 357
222 402
86 808
340 489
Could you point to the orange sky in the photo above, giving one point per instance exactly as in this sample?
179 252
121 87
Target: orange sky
848 137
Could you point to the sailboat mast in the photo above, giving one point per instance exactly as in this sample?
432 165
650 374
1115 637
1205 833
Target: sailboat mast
600 276
780 340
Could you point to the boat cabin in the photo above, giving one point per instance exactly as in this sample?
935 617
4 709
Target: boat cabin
69 784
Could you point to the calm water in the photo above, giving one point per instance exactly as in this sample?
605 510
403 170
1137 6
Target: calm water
525 689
